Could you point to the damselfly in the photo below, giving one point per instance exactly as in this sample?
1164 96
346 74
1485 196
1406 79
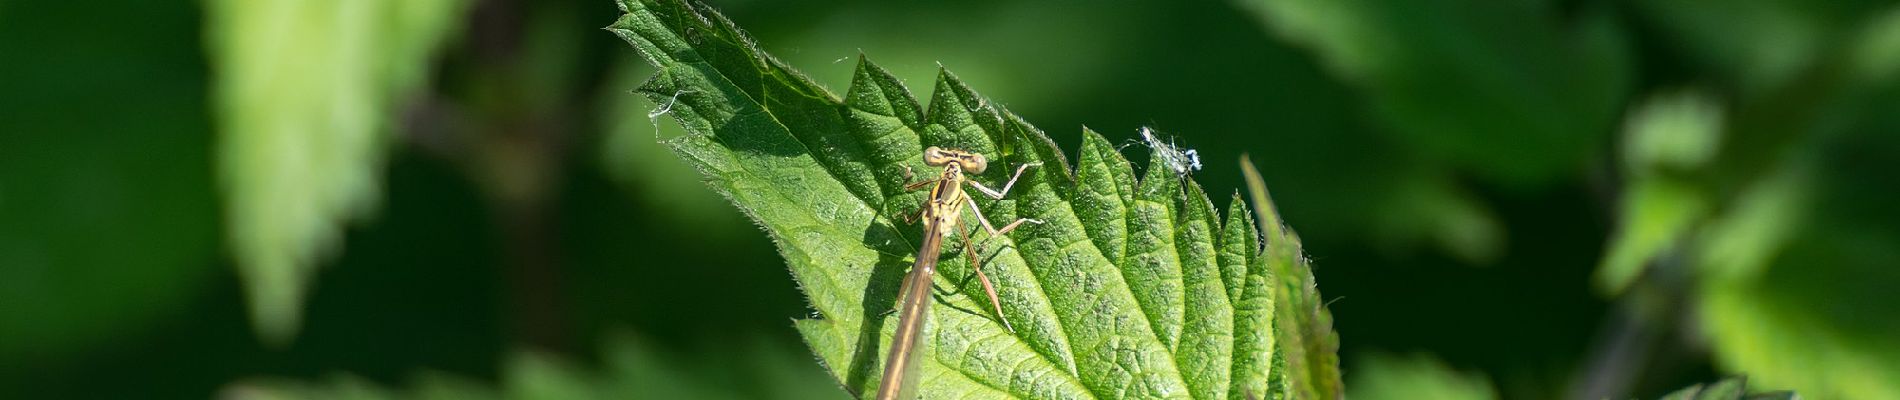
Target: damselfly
940 214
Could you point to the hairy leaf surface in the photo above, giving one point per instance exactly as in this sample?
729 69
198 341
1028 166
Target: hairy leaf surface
1131 289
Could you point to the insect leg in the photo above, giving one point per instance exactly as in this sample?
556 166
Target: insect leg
976 264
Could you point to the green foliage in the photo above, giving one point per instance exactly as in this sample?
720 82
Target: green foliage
1782 289
1795 325
1875 54
1132 289
629 368
1727 389
1750 216
1390 377
305 96
1303 328
1665 139
1779 302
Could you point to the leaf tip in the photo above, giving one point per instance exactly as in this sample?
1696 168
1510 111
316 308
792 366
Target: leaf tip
1269 216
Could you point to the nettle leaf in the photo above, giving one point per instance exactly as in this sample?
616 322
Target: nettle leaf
305 94
1303 328
1131 289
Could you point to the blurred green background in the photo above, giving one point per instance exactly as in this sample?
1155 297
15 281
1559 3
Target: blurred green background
462 198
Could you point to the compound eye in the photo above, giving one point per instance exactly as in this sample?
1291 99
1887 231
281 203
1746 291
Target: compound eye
976 164
934 157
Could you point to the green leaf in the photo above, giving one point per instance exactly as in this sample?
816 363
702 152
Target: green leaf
1672 132
1781 285
306 92
1811 308
1389 377
1666 139
1726 389
1657 214
661 182
1302 325
1740 243
629 368
1875 53
1790 285
1131 289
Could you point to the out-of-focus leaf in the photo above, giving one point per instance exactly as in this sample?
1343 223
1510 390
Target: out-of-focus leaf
306 93
1656 214
539 376
630 369
1727 389
1530 100
1672 133
1122 293
441 386
1430 209
342 387
1876 53
1814 321
1388 377
1668 137
1742 241
1797 279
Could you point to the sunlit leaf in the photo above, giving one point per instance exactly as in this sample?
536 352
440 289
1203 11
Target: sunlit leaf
1783 289
1131 289
1743 241
1303 328
631 155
